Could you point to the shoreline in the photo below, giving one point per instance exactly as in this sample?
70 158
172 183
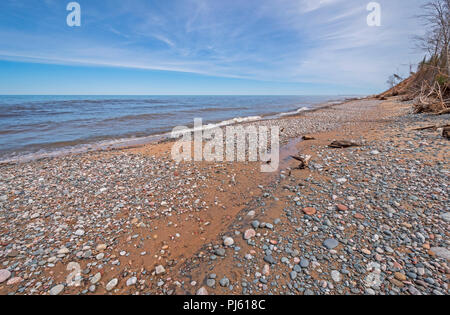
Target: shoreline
158 227
138 141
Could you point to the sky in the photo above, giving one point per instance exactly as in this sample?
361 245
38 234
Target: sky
211 47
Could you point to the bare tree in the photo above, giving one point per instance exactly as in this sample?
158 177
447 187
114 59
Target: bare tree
436 20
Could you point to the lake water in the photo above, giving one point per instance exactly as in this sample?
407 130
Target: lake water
35 126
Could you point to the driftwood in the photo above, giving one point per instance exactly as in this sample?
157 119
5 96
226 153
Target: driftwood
444 112
303 159
343 144
430 127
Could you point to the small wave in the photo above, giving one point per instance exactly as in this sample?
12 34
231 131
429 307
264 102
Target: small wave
298 111
237 120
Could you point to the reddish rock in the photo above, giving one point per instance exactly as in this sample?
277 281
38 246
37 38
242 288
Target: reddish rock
400 276
4 275
359 216
14 281
250 233
310 211
342 208
397 265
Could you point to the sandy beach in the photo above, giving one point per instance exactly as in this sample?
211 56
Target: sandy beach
371 219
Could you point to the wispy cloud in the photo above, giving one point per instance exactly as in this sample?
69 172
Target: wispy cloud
317 41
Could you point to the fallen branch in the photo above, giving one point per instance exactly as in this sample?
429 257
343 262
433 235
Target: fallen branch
303 159
430 127
444 112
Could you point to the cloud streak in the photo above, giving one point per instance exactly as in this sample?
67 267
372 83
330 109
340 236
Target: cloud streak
304 41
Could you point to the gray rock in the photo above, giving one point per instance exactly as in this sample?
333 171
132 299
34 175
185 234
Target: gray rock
331 243
112 284
220 252
446 216
269 259
132 281
57 289
293 275
95 279
336 276
225 282
228 241
441 252
304 263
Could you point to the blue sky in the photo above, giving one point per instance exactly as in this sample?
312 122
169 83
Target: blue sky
204 46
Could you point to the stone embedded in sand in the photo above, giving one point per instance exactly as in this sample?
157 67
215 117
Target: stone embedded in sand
112 284
309 211
13 253
79 232
101 247
95 279
63 251
250 233
4 275
160 270
57 289
132 281
331 243
14 281
400 276
228 241
202 291
336 276
266 270
342 208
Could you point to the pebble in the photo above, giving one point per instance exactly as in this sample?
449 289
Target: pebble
293 275
56 290
224 282
79 232
160 270
304 263
331 243
228 241
132 281
249 234
112 284
202 291
95 279
14 281
400 276
4 275
441 252
336 276
310 211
